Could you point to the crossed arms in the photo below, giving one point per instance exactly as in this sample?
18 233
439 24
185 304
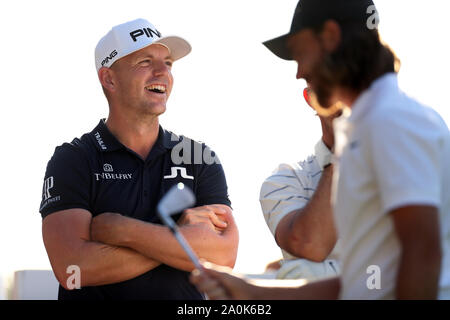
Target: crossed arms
112 248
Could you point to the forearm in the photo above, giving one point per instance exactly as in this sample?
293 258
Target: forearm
327 289
109 264
158 242
309 232
418 231
101 264
67 239
418 275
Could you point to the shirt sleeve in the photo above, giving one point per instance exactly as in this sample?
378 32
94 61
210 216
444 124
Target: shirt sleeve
407 161
287 189
66 182
211 184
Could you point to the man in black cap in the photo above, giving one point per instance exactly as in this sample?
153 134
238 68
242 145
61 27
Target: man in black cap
390 181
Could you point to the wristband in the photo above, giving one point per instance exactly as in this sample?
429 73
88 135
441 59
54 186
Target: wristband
323 154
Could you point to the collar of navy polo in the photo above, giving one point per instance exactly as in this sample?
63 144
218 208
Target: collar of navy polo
106 141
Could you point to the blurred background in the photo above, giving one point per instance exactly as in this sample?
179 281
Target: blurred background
230 92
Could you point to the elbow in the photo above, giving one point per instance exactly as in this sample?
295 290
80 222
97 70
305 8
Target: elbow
72 276
227 255
227 260
231 256
314 250
65 278
60 276
315 254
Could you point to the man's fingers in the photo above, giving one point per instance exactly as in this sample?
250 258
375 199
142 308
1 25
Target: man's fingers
233 286
221 209
206 218
221 274
217 221
214 269
209 270
210 212
209 285
214 208
218 293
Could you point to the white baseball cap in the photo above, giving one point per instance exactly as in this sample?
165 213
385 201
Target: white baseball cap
132 36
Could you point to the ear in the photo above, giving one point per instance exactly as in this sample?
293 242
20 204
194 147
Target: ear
331 35
106 77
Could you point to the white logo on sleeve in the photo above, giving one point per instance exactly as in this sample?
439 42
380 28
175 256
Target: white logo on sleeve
46 196
182 171
48 184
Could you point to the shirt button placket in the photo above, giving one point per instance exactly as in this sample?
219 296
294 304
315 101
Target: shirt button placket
144 181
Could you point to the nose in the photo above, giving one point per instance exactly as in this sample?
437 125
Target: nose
160 68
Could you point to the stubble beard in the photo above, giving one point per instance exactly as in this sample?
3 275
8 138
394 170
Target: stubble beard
149 111
142 109
324 82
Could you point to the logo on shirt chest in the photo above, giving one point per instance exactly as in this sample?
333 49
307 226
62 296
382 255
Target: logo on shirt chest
108 174
181 170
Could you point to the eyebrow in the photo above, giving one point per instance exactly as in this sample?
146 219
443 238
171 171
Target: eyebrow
152 56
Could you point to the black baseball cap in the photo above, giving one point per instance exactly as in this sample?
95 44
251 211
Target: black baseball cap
312 13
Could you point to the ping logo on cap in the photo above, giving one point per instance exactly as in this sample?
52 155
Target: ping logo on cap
110 57
147 31
132 36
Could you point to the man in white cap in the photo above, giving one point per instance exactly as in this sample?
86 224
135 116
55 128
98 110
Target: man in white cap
100 227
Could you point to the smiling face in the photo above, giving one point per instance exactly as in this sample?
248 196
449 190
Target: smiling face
142 81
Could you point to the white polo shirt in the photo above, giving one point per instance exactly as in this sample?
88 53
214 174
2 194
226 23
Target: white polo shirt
391 152
289 188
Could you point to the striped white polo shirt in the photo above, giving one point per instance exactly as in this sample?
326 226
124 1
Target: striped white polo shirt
289 188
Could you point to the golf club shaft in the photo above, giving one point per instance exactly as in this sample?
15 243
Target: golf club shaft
186 247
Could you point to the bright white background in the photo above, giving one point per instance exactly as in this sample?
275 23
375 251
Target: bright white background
230 92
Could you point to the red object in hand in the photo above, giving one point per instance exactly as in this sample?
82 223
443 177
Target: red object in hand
306 94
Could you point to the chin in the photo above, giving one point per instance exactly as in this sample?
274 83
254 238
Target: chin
323 94
324 102
154 110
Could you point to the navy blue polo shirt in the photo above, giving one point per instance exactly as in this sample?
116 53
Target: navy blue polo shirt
99 174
